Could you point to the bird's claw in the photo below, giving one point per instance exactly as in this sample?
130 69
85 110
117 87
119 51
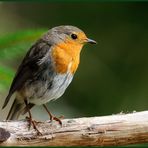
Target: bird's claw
58 119
33 123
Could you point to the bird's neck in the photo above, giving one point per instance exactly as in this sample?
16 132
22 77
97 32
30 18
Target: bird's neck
66 57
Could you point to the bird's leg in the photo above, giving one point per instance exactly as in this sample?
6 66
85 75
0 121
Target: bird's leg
51 116
30 119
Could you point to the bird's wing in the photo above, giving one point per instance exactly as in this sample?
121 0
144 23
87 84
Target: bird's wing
29 66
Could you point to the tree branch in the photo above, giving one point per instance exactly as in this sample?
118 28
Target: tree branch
120 129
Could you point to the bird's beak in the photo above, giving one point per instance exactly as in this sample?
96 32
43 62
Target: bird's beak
91 41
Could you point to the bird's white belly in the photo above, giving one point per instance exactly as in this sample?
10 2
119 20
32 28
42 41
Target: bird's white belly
41 94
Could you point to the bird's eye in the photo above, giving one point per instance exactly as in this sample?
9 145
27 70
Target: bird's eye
74 36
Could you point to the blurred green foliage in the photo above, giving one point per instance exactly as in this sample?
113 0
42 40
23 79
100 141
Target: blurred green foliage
6 75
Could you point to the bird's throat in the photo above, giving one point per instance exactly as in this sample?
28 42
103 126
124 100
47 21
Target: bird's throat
66 57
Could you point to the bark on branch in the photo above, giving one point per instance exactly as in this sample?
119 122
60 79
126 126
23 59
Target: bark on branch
120 129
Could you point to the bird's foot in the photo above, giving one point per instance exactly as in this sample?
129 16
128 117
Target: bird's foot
58 119
33 123
52 117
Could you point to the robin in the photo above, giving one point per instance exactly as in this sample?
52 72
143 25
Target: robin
46 71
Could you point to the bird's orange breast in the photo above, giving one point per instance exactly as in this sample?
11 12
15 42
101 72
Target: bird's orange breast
66 56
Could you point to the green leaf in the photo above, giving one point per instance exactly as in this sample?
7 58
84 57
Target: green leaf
6 75
14 45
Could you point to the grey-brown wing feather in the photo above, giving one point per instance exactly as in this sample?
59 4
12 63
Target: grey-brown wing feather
28 67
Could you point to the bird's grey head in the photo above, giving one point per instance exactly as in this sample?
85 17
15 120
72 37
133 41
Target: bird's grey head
62 33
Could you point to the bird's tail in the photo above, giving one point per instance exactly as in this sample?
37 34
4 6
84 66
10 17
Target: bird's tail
16 109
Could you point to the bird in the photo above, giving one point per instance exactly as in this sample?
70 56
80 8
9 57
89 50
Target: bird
46 71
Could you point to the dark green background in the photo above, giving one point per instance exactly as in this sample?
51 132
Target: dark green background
112 76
